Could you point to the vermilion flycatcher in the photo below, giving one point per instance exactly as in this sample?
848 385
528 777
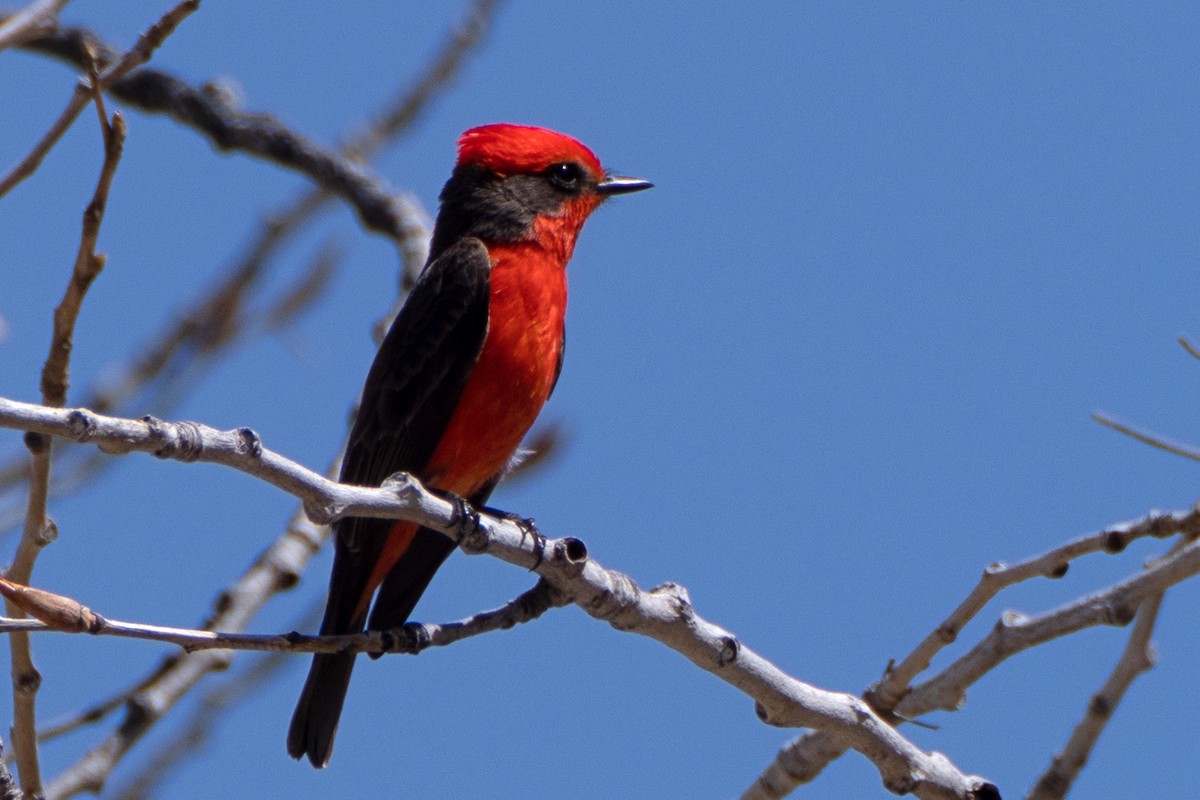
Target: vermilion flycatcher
459 379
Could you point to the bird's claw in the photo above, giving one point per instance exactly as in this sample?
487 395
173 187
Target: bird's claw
466 518
528 528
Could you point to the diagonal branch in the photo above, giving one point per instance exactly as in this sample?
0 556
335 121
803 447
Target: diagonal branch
39 529
803 759
1137 657
33 20
664 614
276 569
885 694
1146 437
215 115
1117 605
139 54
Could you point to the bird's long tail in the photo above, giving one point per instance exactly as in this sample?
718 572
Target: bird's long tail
315 720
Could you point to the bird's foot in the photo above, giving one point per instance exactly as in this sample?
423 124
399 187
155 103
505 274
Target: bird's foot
466 523
528 528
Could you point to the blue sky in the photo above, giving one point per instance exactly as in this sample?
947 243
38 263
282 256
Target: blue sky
842 357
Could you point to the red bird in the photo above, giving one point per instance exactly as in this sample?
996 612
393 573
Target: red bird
459 379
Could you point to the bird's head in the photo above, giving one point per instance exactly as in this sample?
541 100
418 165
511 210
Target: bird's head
520 183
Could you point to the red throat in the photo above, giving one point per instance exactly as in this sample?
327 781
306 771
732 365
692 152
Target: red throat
511 382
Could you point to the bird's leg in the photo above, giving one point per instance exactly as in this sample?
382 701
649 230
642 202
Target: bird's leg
465 522
528 528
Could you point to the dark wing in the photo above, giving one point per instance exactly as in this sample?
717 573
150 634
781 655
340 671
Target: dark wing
407 400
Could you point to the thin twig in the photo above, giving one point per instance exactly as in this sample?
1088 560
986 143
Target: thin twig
1117 605
179 355
803 759
407 106
189 739
1147 437
884 695
139 54
312 284
39 530
1137 657
1189 347
229 128
208 328
275 570
31 21
56 613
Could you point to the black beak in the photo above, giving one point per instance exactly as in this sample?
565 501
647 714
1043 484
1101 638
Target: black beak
615 184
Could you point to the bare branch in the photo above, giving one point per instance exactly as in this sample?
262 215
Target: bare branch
803 759
1116 605
664 614
33 20
1137 657
189 739
407 106
139 54
276 569
310 287
215 115
884 695
1146 437
39 530
56 613
179 355
1187 345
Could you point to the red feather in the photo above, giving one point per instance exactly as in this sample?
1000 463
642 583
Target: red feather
515 149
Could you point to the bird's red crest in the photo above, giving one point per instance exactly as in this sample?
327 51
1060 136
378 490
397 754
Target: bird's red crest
520 149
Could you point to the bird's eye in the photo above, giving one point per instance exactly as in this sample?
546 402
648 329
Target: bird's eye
565 175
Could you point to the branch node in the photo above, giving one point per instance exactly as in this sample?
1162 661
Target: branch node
767 718
947 633
1101 706
38 444
1121 613
678 595
901 784
1115 542
222 603
81 424
47 533
325 512
1012 619
286 578
28 681
249 442
571 550
730 647
986 791
1059 570
403 485
410 638
181 441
